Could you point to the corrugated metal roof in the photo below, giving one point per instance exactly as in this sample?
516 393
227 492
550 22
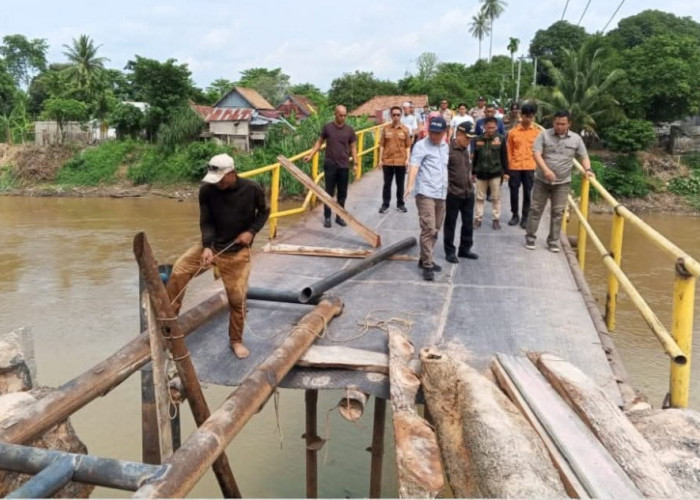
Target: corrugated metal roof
229 114
201 110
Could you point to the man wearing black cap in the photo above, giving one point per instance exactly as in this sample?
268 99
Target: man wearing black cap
428 172
460 196
478 111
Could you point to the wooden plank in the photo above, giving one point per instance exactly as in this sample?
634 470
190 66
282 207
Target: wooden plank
345 357
367 234
602 416
312 251
599 473
573 486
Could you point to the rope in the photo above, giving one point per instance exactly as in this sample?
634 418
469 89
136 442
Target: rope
276 401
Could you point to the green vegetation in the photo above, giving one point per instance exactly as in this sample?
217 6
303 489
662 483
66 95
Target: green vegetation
7 178
93 166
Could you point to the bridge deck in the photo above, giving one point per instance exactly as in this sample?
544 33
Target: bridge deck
510 300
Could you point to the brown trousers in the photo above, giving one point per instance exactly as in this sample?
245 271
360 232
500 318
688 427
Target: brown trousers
431 215
234 269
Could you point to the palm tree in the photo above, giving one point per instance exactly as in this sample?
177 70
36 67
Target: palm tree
479 27
513 45
85 66
492 9
583 86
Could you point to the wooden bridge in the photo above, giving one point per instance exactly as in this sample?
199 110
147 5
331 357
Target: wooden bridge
508 303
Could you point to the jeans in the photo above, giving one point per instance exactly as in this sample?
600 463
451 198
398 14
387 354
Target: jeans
389 172
481 187
335 177
235 270
431 213
557 194
527 179
455 206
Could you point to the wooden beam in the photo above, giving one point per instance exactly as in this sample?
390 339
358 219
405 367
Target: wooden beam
602 416
346 358
377 448
367 234
312 251
417 453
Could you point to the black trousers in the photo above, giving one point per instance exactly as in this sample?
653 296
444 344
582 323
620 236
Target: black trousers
389 173
527 179
453 207
336 178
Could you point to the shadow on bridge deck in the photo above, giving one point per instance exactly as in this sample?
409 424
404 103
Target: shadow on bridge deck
510 300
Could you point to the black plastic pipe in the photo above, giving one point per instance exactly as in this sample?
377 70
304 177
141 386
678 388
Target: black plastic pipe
314 291
256 293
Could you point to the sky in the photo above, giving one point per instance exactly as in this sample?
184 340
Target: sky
311 40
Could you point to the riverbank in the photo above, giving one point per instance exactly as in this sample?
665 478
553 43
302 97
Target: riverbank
180 192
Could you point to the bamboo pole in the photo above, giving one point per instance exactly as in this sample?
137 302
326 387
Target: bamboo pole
377 448
190 462
311 401
170 329
343 253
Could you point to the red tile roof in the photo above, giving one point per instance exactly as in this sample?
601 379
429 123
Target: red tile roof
228 114
200 109
381 102
254 98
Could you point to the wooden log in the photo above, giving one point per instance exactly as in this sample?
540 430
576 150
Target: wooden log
500 454
190 462
367 234
597 471
417 453
311 251
311 403
346 358
39 416
624 442
169 327
571 483
377 448
352 405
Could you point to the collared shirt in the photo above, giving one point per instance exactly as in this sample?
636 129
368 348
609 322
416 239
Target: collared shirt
431 161
519 142
558 153
460 119
510 121
477 112
395 142
411 123
490 158
447 115
459 171
479 129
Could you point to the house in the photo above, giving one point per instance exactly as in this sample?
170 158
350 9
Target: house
377 108
300 105
240 118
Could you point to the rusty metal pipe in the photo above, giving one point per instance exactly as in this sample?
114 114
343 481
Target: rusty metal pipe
190 462
316 289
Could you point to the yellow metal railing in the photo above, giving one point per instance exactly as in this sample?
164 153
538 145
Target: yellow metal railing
676 344
310 199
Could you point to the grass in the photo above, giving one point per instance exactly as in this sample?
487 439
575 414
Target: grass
7 178
97 165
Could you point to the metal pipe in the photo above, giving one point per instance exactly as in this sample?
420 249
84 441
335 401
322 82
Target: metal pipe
88 469
682 330
257 293
618 227
377 448
581 246
48 481
316 289
190 462
311 402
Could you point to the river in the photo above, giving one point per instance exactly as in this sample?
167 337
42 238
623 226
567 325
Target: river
67 272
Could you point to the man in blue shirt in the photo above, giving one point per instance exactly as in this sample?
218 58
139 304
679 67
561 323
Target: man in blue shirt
428 173
489 112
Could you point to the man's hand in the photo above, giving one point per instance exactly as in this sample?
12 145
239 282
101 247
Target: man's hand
409 190
357 170
207 257
590 174
245 238
307 158
505 178
550 175
380 164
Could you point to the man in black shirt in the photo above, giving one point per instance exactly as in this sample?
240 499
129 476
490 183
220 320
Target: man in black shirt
231 212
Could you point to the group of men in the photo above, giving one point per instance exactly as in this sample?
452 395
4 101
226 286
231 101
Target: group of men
450 168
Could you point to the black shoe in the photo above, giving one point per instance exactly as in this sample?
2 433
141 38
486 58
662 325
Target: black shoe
468 254
340 221
402 208
514 221
383 209
435 267
428 274
523 222
452 258
327 222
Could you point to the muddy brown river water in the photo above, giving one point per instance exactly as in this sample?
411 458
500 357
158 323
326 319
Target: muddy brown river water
67 272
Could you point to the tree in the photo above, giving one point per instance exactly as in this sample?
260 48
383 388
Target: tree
24 58
127 119
492 10
311 91
513 45
427 65
353 89
272 84
662 73
630 136
635 30
551 43
85 67
63 110
479 27
584 87
218 89
8 93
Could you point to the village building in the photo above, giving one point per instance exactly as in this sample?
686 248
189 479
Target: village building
298 105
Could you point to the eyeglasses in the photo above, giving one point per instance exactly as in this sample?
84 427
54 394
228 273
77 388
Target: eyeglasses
395 114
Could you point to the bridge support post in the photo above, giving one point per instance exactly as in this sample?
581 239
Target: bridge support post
618 226
585 189
682 331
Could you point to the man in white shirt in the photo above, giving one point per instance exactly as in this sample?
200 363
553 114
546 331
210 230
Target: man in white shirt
460 117
410 121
